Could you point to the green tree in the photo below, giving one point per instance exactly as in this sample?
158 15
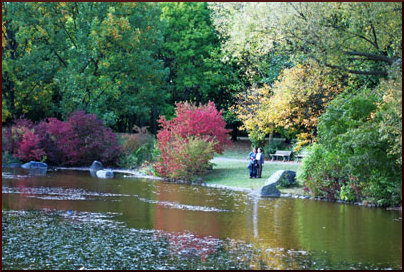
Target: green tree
191 51
357 155
360 38
100 57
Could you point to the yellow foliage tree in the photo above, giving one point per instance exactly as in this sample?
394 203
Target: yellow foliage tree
294 102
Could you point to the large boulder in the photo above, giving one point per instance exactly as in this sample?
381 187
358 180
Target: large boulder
34 165
36 168
95 166
270 190
283 178
287 179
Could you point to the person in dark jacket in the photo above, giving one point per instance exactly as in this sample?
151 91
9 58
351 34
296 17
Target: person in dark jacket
252 165
260 161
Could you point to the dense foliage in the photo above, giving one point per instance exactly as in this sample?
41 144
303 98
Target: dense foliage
136 148
78 141
188 141
293 103
354 159
325 73
101 57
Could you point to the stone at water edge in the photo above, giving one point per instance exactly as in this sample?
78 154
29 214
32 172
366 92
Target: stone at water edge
34 165
36 168
270 190
288 178
95 166
105 174
284 177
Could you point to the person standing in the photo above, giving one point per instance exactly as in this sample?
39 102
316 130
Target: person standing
260 161
252 163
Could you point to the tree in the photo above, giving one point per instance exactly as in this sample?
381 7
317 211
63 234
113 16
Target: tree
360 38
294 102
99 57
352 158
191 51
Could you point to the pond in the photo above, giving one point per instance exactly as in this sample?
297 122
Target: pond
70 220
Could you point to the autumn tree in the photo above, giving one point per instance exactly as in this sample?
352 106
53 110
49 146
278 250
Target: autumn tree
294 102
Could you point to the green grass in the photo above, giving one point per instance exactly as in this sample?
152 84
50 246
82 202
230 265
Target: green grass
235 173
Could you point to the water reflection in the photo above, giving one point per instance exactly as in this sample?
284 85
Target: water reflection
333 232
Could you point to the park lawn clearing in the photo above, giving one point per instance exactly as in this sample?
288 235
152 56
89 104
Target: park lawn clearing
227 172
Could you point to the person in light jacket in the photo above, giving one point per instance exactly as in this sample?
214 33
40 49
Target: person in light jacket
260 159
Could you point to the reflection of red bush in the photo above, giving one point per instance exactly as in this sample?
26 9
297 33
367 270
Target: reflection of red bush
189 245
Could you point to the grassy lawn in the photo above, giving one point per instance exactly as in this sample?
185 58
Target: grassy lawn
235 173
237 150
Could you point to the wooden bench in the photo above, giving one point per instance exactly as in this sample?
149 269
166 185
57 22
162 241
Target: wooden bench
281 153
301 155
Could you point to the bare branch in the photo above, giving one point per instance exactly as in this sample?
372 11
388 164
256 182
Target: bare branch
370 56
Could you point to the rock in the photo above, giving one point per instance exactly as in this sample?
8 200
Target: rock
36 168
95 166
105 173
287 178
284 178
270 190
34 165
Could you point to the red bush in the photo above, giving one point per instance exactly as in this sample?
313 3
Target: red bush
82 139
192 123
78 141
203 121
29 148
185 158
12 136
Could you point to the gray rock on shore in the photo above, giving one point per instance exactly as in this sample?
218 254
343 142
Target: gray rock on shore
95 166
280 177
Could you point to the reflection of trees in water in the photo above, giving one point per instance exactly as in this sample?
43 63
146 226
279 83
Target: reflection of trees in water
201 224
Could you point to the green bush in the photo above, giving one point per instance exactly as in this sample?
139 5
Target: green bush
272 147
7 158
347 193
188 159
136 148
136 158
350 161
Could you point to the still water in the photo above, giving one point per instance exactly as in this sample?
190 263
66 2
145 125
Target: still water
70 220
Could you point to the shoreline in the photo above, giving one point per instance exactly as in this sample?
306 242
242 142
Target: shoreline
136 174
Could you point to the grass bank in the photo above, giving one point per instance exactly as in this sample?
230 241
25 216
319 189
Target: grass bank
235 173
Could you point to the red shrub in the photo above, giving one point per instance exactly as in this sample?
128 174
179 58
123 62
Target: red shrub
192 123
80 140
54 135
95 141
203 121
28 148
185 158
12 136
